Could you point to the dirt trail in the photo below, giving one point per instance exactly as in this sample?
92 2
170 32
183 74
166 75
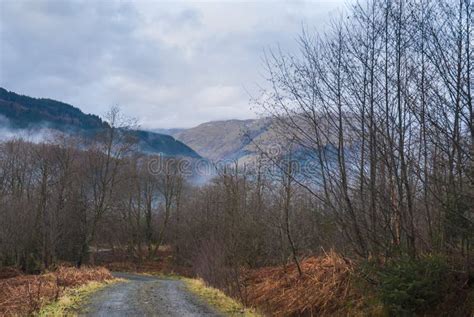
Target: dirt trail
145 296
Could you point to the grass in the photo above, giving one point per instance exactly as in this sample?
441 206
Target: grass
72 299
218 299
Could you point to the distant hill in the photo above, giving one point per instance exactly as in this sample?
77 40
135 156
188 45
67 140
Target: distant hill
245 140
230 139
25 112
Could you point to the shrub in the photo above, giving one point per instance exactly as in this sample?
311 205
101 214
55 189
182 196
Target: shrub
408 286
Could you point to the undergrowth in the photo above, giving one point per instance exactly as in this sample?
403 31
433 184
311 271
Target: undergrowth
424 286
71 299
324 288
24 295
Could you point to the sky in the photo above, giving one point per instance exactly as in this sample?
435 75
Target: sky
169 64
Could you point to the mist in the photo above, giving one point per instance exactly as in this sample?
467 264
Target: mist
39 133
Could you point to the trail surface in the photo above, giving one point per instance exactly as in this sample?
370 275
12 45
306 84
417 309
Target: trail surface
145 296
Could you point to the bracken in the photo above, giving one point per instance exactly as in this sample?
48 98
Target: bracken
25 294
324 288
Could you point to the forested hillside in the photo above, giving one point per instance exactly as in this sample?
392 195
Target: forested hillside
25 112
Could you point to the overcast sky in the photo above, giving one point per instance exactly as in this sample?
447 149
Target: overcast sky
168 64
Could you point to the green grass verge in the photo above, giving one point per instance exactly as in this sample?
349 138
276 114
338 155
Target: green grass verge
72 299
218 299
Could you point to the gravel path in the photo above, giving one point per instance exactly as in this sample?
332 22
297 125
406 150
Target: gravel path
145 296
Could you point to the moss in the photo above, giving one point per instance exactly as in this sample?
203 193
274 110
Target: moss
218 299
71 299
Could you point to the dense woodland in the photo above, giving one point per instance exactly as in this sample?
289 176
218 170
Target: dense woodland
381 104
24 111
23 115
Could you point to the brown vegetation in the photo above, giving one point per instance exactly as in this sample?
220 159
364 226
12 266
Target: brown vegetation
24 294
324 289
163 264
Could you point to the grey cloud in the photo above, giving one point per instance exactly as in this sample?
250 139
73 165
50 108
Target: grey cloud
170 64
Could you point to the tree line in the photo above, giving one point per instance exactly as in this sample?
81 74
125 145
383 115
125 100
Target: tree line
389 89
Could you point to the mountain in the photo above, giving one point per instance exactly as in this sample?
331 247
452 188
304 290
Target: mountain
152 142
27 113
245 140
230 139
